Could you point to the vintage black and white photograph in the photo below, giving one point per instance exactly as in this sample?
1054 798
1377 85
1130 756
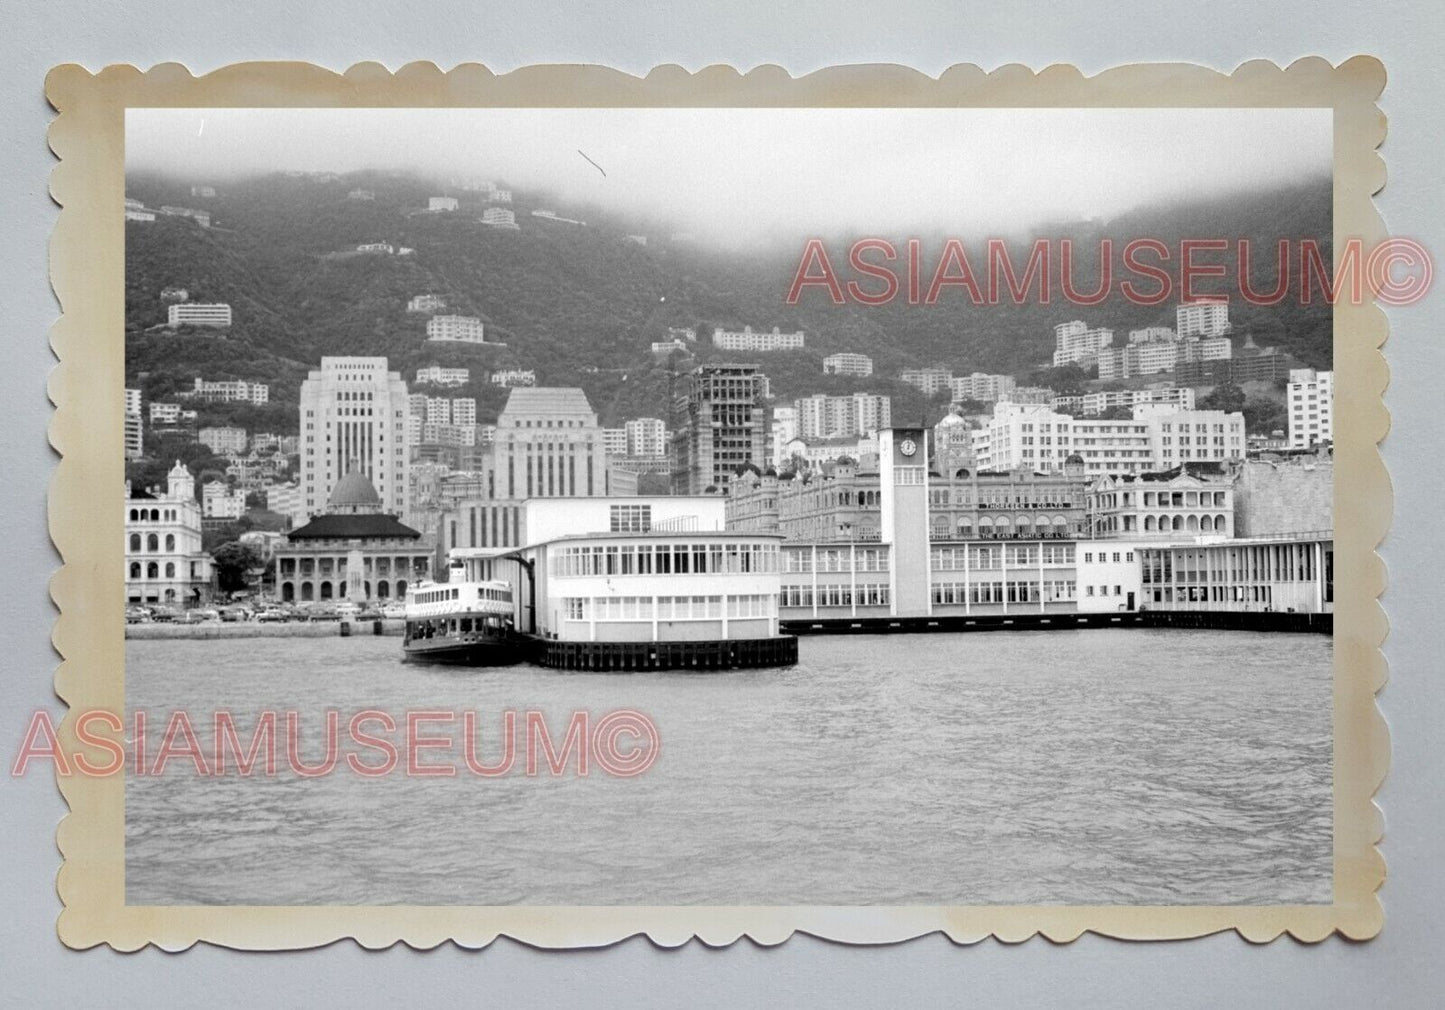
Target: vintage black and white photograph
729 506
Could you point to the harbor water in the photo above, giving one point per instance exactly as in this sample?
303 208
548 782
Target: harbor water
1084 767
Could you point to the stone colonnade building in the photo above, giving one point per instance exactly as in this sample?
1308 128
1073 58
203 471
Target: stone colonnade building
354 551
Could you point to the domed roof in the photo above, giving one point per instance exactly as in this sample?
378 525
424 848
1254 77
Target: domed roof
950 419
354 493
1074 457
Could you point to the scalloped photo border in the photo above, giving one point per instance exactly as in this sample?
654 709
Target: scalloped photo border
85 505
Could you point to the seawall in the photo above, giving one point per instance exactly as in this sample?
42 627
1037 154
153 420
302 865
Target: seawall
1222 620
251 629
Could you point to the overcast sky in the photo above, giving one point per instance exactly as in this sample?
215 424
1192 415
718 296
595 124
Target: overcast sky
744 175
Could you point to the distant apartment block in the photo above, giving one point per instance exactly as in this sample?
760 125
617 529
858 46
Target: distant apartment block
748 339
1206 349
174 294
436 375
614 441
136 214
1098 403
668 346
218 501
169 413
1311 399
455 329
361 194
441 204
199 314
982 387
499 217
377 248
426 303
831 417
134 437
500 195
1201 319
931 381
223 441
201 217
1028 394
646 437
1075 342
513 377
687 333
551 215
204 192
848 363
721 411
229 391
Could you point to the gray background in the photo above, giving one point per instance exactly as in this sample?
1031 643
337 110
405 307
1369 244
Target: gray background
1400 968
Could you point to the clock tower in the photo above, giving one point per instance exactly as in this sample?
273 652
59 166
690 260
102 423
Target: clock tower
903 501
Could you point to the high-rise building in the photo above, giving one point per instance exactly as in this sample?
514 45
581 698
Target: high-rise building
823 416
1075 342
199 314
1311 407
1202 319
646 436
134 429
223 441
353 415
455 329
614 441
982 387
748 339
719 424
931 380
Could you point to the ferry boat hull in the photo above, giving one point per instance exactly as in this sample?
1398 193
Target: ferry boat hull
504 650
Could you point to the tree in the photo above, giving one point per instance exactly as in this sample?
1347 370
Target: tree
234 562
1226 396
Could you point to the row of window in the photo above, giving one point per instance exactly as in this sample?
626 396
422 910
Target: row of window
1106 556
667 608
666 559
992 557
1056 591
1256 563
153 570
152 515
152 543
837 559
865 594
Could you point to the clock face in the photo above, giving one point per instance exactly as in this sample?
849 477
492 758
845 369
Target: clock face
909 447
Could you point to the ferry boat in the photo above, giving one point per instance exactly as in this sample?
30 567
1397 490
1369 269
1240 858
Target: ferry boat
464 621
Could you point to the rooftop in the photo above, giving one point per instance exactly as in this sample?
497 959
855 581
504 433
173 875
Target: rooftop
548 401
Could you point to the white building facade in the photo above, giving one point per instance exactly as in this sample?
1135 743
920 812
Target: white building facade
1311 400
353 414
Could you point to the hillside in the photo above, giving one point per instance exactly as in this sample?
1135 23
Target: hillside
581 305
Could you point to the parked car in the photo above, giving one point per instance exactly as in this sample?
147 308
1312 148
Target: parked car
321 612
348 611
368 613
137 615
272 616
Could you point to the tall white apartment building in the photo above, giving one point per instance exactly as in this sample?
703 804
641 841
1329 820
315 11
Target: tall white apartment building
848 363
199 314
782 429
646 436
165 413
455 329
1180 397
1201 319
1152 335
748 339
353 414
931 380
464 411
982 387
1206 349
1157 437
823 416
436 375
134 429
1074 342
614 441
1311 407
438 204
510 378
225 391
438 410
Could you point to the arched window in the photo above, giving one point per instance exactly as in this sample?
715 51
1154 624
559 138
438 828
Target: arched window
153 542
400 588
135 543
1148 524
135 569
153 571
1219 524
156 515
306 592
1206 524
326 590
288 592
382 590
170 595
1193 524
134 515
1178 522
170 569
170 542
